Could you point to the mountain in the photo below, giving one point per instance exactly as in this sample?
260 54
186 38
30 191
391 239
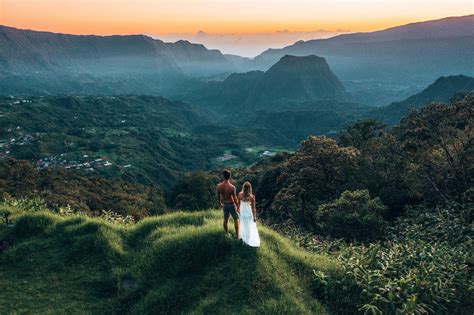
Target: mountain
169 264
408 55
61 63
440 91
289 83
298 79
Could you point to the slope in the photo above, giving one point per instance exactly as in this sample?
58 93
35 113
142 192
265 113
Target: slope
178 263
440 91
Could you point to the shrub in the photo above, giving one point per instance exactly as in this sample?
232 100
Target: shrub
354 215
423 267
30 204
315 174
407 278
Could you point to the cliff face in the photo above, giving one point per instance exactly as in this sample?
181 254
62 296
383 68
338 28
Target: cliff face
292 78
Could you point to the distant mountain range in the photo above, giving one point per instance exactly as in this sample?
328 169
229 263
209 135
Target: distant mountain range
61 63
418 52
376 68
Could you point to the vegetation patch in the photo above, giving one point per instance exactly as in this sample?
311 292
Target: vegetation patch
181 262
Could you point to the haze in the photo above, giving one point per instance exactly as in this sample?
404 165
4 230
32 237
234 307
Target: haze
235 26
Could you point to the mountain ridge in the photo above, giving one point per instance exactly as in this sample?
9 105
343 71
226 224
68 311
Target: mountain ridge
442 90
420 50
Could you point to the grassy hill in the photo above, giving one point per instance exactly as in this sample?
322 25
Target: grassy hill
174 263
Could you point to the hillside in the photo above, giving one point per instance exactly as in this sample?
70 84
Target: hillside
163 265
440 91
62 63
313 118
87 193
140 139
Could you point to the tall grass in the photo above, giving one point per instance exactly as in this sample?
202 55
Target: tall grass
176 263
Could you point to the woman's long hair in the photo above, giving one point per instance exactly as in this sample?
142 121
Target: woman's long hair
246 191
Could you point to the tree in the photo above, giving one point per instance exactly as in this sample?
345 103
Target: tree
317 173
354 215
382 169
195 191
438 142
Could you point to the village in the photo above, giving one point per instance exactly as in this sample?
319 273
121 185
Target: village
17 136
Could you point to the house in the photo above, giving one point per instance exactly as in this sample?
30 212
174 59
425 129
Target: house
226 157
268 153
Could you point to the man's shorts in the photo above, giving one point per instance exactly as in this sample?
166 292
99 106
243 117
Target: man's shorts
229 209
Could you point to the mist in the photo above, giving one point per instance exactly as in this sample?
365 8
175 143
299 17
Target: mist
247 45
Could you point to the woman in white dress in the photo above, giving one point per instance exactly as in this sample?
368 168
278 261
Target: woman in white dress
248 216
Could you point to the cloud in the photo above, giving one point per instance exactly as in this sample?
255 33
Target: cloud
248 45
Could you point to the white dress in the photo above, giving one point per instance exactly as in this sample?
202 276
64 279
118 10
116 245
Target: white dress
248 228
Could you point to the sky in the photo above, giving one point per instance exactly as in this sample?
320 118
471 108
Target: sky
235 26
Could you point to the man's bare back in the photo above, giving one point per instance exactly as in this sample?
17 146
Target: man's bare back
227 193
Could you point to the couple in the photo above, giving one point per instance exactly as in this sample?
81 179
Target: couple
242 209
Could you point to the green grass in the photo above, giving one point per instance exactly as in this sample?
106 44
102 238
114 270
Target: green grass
172 264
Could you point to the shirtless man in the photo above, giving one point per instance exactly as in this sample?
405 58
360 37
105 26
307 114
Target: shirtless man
227 198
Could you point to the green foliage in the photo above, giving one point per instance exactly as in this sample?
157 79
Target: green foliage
422 267
317 173
161 139
438 144
117 218
354 215
30 204
383 168
54 188
175 263
195 191
414 277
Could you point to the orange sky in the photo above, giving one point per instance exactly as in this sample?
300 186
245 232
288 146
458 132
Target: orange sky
221 16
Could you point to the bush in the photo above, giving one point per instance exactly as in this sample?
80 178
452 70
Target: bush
407 278
195 191
354 215
30 204
424 266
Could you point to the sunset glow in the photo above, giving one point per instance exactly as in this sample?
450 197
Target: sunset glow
220 17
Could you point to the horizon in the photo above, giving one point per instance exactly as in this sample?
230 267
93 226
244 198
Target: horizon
235 27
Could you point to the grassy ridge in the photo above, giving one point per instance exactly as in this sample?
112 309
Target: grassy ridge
181 262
